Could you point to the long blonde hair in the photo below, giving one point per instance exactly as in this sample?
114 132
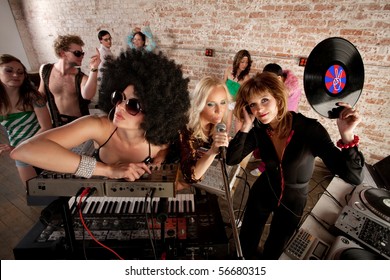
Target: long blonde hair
198 101
266 82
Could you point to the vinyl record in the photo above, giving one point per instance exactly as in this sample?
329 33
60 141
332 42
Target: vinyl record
334 72
378 201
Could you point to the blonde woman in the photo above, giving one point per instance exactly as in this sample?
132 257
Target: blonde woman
199 141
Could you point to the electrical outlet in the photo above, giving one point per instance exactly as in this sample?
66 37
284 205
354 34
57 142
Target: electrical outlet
302 61
209 52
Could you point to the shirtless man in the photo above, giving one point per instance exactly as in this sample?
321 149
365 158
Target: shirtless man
69 90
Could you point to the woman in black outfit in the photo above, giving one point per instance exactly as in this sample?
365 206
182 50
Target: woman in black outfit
288 144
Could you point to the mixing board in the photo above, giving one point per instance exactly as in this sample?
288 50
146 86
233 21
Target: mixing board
368 232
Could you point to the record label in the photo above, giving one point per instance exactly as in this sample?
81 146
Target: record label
334 72
335 79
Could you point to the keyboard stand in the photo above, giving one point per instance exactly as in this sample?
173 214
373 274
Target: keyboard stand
230 209
68 226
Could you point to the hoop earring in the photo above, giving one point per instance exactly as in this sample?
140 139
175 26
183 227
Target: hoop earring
110 115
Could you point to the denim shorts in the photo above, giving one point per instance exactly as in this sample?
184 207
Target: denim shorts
21 164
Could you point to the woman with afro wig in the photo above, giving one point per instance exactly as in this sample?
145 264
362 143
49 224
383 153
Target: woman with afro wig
146 100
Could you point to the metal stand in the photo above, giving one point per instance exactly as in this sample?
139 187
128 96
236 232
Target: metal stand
230 209
68 226
162 216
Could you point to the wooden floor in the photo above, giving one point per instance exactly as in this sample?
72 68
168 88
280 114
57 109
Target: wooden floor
17 218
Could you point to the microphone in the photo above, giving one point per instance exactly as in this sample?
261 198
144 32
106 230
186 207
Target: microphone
221 127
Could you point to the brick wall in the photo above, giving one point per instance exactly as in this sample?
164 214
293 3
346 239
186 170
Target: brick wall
273 31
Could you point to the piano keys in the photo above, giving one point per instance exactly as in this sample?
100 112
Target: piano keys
181 204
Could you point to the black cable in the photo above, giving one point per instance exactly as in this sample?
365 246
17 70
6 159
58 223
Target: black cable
281 203
320 221
246 185
151 197
73 209
79 208
91 192
320 182
326 177
84 245
152 243
328 194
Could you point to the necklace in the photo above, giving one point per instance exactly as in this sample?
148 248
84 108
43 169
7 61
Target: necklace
270 131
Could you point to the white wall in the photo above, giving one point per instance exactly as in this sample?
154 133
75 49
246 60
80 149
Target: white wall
11 42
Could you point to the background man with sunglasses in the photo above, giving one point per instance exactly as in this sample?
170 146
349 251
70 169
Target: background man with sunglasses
105 40
68 90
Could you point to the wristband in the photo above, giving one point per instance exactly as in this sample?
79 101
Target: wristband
353 143
86 167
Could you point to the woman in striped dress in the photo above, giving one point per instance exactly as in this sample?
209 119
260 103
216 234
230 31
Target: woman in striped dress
23 111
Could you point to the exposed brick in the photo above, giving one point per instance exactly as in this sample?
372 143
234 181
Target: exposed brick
281 32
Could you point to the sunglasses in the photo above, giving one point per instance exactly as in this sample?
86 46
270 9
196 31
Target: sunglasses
77 53
133 107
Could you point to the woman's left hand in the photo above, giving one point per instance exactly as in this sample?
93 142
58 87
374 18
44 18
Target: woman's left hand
248 120
347 121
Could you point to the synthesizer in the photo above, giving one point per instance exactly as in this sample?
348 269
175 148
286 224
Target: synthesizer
188 226
105 206
162 181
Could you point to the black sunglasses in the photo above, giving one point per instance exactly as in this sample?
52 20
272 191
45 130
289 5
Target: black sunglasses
133 107
77 53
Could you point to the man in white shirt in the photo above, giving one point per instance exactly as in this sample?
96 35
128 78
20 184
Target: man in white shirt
105 40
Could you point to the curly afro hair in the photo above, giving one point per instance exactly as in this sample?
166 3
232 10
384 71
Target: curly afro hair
160 87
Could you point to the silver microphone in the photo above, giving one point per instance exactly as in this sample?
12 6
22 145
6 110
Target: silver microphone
221 127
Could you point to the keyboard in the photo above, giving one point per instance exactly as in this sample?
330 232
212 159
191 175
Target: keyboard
182 203
213 182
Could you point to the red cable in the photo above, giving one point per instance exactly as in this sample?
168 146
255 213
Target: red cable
87 229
